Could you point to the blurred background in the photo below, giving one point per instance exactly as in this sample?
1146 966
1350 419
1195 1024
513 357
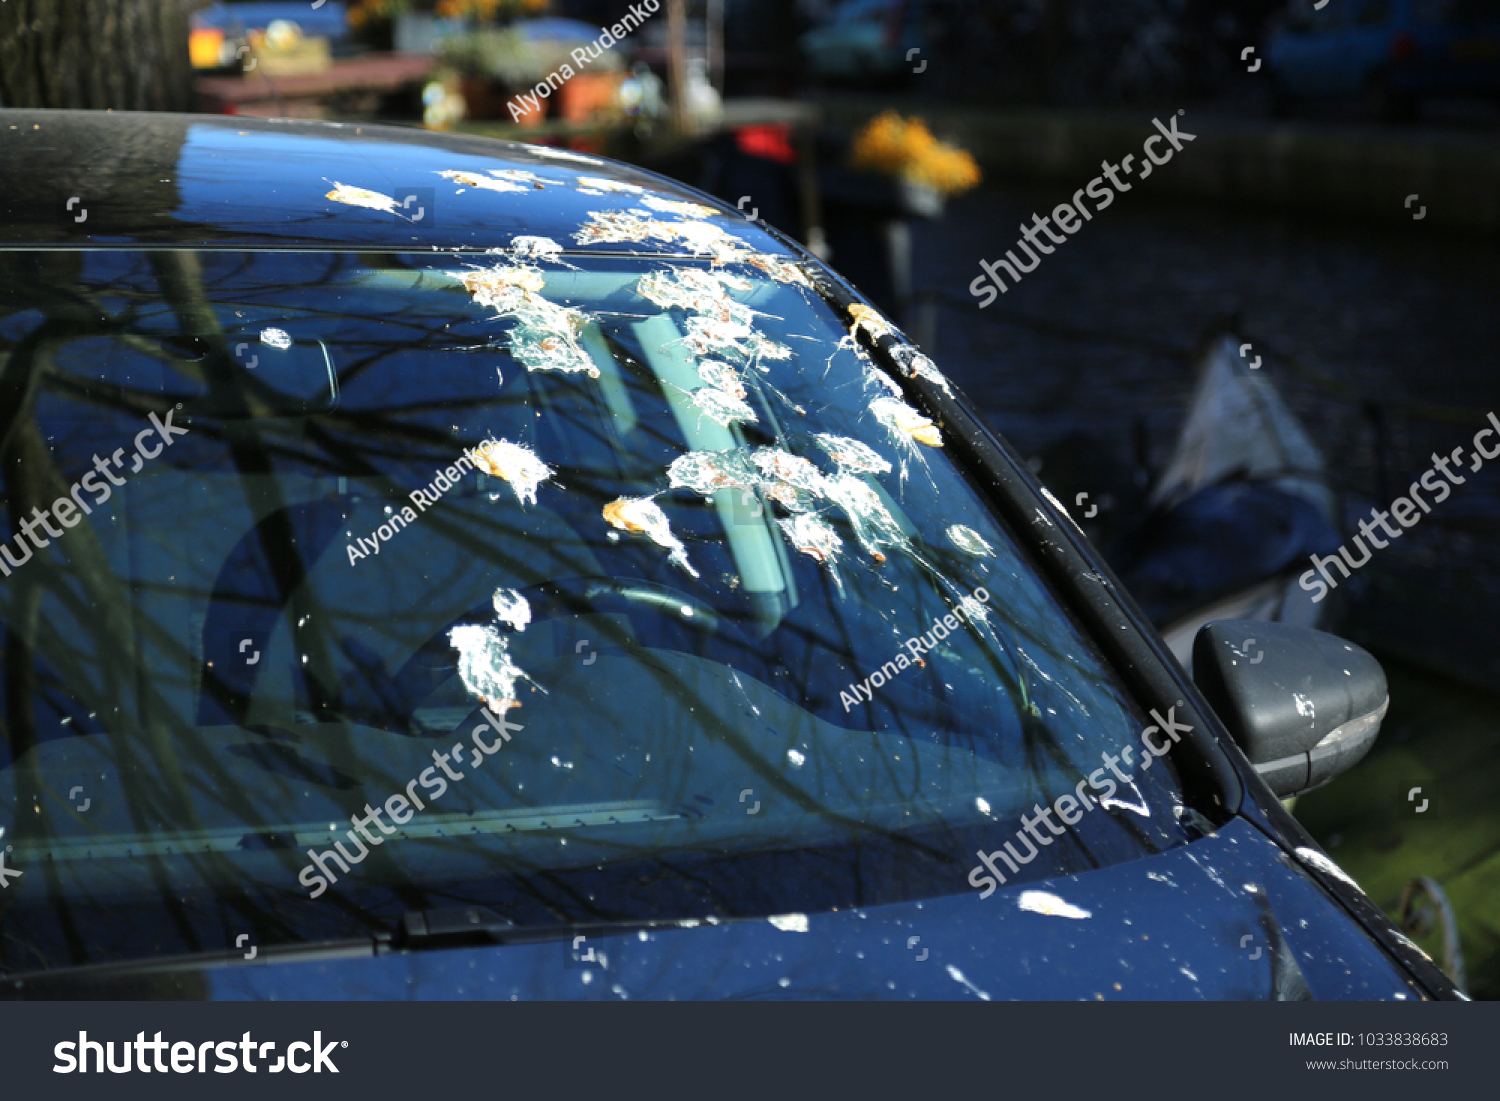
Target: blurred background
1338 211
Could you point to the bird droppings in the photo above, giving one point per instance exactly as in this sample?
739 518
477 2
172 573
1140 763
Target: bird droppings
513 463
811 535
873 524
359 196
958 976
902 421
865 319
643 516
545 335
970 541
535 248
722 407
915 365
486 183
681 209
597 184
705 472
276 338
485 666
1315 859
789 923
721 376
1048 904
519 175
851 456
512 608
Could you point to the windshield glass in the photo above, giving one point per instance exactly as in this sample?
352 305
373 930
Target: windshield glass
339 586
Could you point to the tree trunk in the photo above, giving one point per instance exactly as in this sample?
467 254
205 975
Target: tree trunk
129 55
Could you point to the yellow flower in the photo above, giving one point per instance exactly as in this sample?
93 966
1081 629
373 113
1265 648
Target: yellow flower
906 148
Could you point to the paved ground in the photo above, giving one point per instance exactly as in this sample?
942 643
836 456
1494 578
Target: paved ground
1385 343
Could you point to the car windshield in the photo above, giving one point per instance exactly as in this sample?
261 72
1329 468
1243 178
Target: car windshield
339 586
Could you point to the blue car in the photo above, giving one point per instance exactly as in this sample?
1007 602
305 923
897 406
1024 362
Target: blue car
439 567
1394 53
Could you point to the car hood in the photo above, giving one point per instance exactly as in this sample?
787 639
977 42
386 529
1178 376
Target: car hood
1231 916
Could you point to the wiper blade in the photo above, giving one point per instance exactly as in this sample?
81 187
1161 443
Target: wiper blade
453 927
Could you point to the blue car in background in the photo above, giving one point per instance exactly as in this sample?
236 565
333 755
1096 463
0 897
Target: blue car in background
1394 53
865 41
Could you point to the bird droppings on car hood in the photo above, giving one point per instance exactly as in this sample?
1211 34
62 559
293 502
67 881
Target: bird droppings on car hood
359 196
1047 903
643 516
970 541
958 976
513 463
789 923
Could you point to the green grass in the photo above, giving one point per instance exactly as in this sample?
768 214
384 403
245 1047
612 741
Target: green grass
1445 739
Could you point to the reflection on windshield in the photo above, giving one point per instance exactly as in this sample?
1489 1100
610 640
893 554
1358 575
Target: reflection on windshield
585 589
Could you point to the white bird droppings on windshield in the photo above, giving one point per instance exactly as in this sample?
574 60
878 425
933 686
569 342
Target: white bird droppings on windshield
902 421
515 464
535 248
706 471
789 923
545 335
512 608
873 524
852 456
1047 903
485 666
643 516
970 541
724 408
276 338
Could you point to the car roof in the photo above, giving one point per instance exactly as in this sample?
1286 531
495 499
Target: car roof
97 179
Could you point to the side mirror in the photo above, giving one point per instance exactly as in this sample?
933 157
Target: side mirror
1303 705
